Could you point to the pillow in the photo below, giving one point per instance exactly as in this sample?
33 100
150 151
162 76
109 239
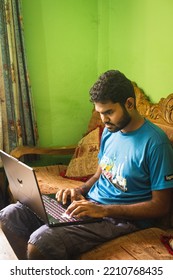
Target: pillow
85 161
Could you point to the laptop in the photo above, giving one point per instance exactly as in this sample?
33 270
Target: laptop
24 188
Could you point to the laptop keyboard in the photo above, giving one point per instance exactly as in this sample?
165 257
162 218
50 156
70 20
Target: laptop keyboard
56 210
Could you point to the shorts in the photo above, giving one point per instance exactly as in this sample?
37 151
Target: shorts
65 242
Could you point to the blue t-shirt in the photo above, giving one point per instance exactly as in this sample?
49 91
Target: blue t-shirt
133 165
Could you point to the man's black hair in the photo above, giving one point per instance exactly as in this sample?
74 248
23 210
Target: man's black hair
112 86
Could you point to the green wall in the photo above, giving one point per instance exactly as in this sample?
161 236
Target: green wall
61 46
69 43
141 43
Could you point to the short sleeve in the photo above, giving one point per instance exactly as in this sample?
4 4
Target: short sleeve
161 167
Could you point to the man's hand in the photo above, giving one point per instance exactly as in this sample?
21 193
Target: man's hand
84 207
64 195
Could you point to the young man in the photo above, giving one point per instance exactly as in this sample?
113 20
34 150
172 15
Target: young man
131 184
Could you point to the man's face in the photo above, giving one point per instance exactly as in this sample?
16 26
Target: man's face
113 115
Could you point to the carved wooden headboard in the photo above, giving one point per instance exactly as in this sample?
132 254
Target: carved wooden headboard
160 113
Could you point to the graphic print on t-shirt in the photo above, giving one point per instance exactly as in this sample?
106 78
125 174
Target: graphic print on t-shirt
113 172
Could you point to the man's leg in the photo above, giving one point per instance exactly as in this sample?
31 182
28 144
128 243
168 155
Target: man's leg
33 253
17 223
19 244
68 242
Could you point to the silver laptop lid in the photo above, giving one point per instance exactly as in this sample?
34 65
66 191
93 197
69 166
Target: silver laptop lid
23 184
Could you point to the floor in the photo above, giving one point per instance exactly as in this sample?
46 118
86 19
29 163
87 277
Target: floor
6 252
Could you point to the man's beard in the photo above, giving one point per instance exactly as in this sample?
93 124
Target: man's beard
123 122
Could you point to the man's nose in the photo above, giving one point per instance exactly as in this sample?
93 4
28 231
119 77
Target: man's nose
104 118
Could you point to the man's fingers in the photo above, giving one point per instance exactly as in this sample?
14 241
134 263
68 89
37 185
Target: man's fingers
63 194
58 195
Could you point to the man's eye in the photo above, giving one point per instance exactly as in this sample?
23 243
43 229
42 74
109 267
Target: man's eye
110 112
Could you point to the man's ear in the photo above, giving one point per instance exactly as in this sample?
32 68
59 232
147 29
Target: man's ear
130 103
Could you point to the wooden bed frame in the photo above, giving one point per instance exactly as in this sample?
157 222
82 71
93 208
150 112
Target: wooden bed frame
145 244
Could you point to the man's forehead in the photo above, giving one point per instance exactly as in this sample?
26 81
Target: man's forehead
106 106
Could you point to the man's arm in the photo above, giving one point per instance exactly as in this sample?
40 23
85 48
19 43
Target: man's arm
157 207
77 193
87 186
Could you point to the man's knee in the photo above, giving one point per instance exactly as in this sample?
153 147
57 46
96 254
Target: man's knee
33 253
